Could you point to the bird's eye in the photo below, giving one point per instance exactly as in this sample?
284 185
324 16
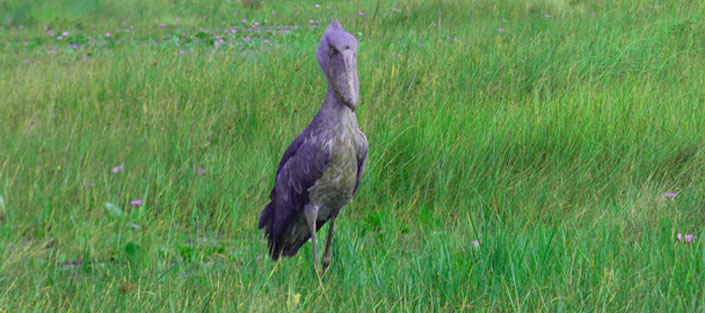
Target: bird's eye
333 50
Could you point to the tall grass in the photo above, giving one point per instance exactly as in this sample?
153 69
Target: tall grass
553 143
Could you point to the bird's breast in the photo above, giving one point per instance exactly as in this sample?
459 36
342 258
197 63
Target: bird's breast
335 187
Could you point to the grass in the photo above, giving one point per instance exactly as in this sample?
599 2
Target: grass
553 143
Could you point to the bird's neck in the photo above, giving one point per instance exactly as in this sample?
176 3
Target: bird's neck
333 111
333 104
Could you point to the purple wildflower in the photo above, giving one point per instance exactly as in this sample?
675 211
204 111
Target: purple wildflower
21 26
183 35
671 195
679 237
217 37
689 238
205 17
201 171
88 184
25 61
74 46
475 243
50 33
247 39
65 34
501 30
266 41
137 202
310 21
361 14
178 19
25 43
318 6
274 12
504 20
59 37
107 35
162 25
548 15
132 27
233 31
118 168
181 52
244 21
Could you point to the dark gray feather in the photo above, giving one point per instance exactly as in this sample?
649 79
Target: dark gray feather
302 164
361 161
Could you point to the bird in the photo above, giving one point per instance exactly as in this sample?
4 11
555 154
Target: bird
320 171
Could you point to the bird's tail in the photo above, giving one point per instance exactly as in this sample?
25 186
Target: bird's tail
266 215
266 221
277 244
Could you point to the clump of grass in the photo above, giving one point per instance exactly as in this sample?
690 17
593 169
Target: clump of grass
252 4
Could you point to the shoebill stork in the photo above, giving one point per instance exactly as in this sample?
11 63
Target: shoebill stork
321 169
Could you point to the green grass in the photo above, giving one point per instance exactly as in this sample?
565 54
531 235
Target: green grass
552 143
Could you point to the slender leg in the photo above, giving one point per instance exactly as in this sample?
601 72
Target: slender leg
326 253
311 213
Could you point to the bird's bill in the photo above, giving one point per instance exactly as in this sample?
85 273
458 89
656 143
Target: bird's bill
345 81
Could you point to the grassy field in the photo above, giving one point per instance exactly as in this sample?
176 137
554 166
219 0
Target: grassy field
549 131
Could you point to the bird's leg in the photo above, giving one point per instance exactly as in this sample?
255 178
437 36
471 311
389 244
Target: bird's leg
311 213
326 253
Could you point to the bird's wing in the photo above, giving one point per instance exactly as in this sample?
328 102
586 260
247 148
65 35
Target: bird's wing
361 160
291 150
301 166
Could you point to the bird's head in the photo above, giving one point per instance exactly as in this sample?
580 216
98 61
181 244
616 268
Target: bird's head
337 55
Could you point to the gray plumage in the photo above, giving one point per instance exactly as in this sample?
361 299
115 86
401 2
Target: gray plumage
320 171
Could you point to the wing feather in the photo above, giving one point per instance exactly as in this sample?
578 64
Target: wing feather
361 160
301 166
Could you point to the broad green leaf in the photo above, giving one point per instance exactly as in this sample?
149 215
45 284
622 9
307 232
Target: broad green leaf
114 210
